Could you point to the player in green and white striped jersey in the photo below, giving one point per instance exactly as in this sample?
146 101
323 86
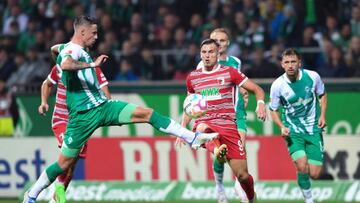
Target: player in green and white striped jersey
303 117
89 109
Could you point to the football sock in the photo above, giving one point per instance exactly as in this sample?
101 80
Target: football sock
167 125
248 187
46 178
218 175
303 180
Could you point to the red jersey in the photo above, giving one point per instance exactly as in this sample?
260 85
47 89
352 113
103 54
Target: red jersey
60 114
218 87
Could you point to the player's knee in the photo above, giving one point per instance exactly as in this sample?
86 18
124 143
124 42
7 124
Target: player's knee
201 127
142 114
242 175
315 174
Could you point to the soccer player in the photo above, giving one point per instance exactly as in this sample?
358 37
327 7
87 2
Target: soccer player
217 82
303 120
60 119
221 36
89 109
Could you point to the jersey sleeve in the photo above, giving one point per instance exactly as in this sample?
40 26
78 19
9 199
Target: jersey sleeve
319 85
237 77
101 77
70 51
274 97
53 77
189 87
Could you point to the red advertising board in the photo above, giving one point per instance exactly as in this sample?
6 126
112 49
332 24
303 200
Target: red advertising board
157 159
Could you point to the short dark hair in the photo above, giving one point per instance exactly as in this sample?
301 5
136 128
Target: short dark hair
84 20
290 52
209 41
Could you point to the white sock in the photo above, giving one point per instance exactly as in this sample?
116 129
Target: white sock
41 183
219 181
176 129
307 195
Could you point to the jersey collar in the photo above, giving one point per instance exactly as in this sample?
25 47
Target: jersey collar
212 71
287 79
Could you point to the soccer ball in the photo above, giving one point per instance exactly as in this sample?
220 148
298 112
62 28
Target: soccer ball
195 105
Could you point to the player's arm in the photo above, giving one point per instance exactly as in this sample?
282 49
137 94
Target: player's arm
45 92
70 64
323 107
260 96
245 95
106 91
276 118
54 50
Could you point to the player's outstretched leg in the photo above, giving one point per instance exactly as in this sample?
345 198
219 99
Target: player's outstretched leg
167 125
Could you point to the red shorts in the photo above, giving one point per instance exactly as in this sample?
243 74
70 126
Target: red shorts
227 135
59 131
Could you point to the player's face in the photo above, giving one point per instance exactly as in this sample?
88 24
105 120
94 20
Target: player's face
209 54
291 64
90 35
222 39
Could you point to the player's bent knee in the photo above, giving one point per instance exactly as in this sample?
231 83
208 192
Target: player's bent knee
201 127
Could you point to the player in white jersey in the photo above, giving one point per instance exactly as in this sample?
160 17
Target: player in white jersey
221 36
89 109
303 118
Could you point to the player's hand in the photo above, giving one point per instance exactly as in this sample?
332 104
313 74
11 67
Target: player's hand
101 60
285 132
321 122
261 111
43 108
179 142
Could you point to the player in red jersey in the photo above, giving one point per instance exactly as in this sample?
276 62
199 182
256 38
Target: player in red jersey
217 83
60 120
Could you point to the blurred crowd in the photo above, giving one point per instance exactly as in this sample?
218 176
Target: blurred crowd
159 39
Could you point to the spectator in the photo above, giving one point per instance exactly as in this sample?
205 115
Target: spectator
8 111
6 64
149 66
260 67
34 69
126 72
355 21
109 67
187 63
353 56
336 66
310 60
18 16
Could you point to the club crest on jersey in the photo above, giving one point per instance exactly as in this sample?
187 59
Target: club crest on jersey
221 81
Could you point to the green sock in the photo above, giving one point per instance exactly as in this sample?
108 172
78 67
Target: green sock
53 171
159 121
218 167
303 180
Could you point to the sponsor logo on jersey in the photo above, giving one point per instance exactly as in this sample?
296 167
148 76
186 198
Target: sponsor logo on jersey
211 94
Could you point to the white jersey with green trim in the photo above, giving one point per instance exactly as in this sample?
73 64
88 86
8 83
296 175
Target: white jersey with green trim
83 91
299 99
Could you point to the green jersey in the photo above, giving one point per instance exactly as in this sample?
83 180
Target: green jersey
82 87
301 109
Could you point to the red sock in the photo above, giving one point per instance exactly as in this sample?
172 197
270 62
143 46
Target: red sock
62 178
67 181
248 187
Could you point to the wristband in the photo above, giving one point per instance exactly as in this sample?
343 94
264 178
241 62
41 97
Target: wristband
260 102
92 65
